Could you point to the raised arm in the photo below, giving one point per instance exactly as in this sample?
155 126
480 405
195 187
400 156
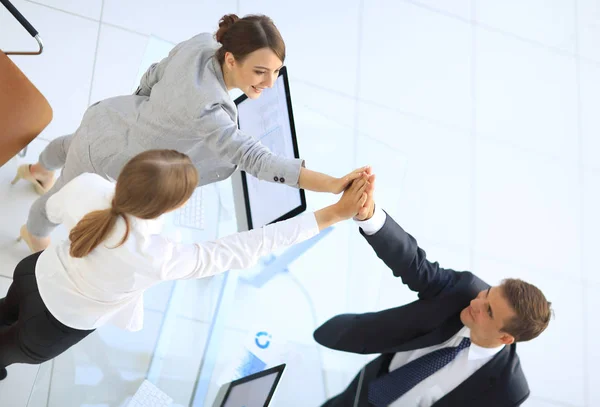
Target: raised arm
244 249
319 182
400 251
366 333
223 137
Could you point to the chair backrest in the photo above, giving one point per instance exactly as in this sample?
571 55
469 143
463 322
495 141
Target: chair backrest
24 111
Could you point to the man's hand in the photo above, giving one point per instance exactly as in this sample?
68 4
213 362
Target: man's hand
366 212
350 203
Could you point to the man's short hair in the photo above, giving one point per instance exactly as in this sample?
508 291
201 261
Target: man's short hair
532 310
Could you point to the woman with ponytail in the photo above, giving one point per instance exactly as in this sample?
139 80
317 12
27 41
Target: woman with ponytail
182 103
98 276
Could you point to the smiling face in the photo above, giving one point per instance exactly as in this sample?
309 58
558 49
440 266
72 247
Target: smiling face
257 71
486 316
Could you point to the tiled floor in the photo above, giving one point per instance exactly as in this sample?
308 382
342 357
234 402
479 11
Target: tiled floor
480 118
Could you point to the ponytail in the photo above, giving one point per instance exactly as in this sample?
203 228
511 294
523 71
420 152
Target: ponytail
93 229
150 184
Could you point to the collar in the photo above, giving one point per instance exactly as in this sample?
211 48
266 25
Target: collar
218 72
477 352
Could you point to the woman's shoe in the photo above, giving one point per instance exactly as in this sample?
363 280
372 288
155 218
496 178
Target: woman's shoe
24 172
41 243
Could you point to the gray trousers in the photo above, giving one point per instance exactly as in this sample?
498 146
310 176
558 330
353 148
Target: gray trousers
56 155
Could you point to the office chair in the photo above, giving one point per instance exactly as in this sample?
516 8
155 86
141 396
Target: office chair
24 111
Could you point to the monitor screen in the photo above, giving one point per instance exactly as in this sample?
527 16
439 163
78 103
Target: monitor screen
270 120
255 390
254 393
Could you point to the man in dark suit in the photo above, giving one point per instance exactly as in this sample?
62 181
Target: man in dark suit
454 346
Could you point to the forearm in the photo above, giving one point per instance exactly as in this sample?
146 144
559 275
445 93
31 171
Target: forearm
327 217
315 181
239 250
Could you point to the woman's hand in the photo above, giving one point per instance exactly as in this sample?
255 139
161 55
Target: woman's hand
340 184
353 199
349 205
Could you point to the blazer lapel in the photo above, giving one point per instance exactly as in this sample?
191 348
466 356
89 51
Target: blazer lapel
476 384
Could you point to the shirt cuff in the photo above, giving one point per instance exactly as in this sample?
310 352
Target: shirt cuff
374 224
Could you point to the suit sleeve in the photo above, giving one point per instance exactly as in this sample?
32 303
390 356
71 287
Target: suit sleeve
518 403
401 253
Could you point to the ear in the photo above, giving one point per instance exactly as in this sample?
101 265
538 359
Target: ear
230 60
507 339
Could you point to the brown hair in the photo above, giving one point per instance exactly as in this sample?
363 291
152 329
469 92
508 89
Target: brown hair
151 183
242 36
532 310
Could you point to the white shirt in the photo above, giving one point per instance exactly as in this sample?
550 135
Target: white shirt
442 382
107 286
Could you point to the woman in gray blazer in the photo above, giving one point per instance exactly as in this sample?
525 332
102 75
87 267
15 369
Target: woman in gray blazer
182 103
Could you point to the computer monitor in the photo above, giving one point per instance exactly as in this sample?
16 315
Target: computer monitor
270 120
255 390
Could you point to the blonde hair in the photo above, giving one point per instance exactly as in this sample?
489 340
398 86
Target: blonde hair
151 184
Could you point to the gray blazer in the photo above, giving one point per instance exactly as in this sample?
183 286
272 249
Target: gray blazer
182 103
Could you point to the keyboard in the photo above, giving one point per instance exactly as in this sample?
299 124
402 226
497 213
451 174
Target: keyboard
148 395
191 215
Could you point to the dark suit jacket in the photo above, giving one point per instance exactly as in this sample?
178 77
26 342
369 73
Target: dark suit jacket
431 320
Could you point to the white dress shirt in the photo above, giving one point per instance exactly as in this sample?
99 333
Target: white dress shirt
107 286
442 382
